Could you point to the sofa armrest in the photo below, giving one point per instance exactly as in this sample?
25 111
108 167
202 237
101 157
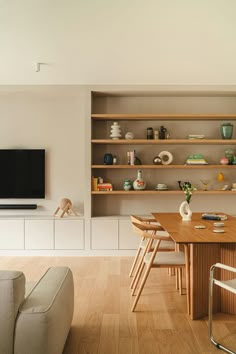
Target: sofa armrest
12 292
45 316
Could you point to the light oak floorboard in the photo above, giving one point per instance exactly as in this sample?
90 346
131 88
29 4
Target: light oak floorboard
103 322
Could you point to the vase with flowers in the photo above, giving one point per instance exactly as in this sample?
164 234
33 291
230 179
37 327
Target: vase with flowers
184 208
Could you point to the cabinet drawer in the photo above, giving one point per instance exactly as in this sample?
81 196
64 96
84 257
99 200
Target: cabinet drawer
104 234
128 240
39 234
69 234
12 234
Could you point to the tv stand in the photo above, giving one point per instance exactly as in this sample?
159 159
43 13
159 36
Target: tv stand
18 206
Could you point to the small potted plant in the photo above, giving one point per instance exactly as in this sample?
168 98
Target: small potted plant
184 209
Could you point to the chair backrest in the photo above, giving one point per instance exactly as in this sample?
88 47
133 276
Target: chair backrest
137 219
12 292
151 232
146 221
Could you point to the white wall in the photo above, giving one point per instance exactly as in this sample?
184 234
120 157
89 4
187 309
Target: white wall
54 121
108 41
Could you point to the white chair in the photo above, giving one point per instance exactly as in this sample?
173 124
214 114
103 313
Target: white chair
229 285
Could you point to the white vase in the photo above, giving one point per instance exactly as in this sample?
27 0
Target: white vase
185 211
139 183
115 131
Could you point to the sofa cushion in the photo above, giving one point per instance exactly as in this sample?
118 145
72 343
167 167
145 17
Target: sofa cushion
45 316
12 292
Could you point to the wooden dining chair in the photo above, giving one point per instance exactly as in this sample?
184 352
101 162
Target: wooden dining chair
154 259
142 244
165 245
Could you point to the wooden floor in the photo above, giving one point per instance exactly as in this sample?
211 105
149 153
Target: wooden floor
103 323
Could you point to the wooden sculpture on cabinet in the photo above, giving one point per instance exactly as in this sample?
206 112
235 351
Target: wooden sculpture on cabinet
65 206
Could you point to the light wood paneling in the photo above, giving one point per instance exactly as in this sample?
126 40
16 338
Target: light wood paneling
202 256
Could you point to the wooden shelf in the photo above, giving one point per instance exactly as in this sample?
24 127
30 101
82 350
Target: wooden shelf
163 116
101 143
165 141
169 192
161 166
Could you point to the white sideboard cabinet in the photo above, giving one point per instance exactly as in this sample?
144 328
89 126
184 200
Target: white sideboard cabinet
11 234
128 240
69 234
39 234
113 234
104 234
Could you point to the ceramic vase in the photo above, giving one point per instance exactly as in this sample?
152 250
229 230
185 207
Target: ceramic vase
108 159
139 183
115 131
185 211
226 130
127 185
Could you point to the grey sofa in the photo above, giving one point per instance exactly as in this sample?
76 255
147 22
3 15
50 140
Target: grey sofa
36 322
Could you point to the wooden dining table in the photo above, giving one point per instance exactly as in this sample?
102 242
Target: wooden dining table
203 247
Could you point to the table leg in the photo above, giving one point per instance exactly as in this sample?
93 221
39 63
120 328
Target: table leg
187 262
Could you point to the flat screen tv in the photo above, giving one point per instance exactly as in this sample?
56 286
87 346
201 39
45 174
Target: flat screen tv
22 173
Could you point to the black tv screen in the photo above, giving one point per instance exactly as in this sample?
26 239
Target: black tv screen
22 173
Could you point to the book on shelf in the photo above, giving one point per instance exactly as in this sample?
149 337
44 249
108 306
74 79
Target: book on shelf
95 181
196 136
94 186
105 187
196 162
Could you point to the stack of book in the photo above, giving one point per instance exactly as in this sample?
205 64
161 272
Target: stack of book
196 162
104 187
99 185
196 159
214 217
196 136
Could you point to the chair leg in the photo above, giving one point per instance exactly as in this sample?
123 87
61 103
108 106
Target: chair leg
149 243
135 262
210 309
179 276
149 266
137 270
177 280
141 286
171 271
138 278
